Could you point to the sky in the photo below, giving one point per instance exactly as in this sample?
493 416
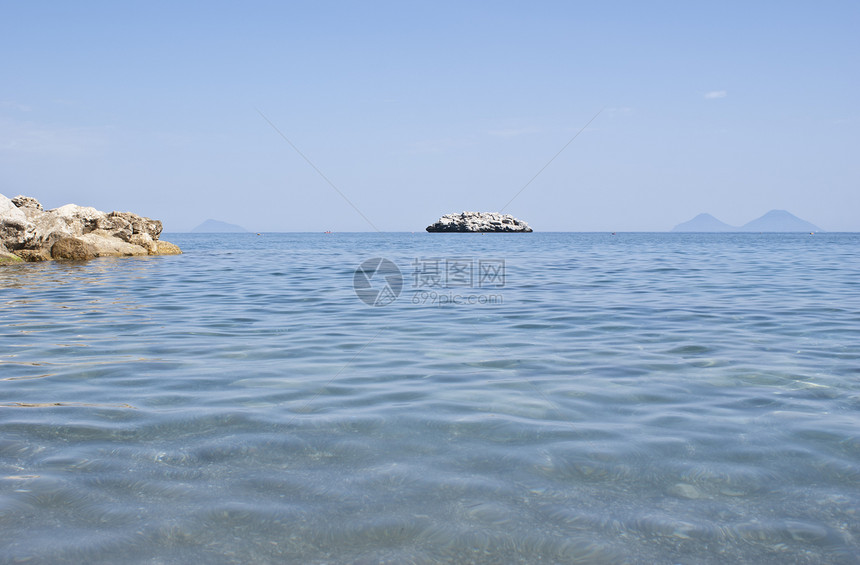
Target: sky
185 111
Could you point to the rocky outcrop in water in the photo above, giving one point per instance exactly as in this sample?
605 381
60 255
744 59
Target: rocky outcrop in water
479 222
28 232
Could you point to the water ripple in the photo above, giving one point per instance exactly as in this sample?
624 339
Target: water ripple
649 398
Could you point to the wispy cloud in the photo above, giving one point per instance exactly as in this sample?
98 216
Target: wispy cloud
513 132
442 145
28 137
14 106
614 111
716 94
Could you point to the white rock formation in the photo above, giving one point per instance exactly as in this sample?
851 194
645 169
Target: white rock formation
479 222
72 232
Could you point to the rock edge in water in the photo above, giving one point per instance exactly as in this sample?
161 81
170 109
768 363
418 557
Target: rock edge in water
74 233
485 222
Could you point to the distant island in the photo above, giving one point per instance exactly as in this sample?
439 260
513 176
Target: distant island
479 222
215 226
773 221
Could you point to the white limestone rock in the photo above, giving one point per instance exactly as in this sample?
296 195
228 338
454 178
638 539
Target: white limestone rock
484 222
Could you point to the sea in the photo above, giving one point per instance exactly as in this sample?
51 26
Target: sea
415 398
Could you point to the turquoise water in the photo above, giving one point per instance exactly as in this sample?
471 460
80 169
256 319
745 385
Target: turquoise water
639 398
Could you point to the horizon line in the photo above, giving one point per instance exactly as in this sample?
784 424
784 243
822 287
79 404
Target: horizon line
331 232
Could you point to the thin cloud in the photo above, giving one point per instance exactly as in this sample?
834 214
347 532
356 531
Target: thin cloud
716 94
14 106
28 137
614 111
513 132
441 145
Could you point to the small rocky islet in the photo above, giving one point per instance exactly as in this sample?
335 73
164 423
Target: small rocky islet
479 222
28 232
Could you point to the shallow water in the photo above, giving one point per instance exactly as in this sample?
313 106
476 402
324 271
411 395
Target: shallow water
639 398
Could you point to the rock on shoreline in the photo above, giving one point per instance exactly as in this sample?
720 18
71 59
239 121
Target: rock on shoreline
74 233
471 222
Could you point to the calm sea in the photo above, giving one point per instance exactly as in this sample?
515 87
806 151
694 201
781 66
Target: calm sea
543 398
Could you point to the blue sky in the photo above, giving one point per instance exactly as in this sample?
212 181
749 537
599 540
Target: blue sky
417 109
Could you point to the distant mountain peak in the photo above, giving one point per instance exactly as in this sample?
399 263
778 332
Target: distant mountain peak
704 222
773 221
778 214
780 221
216 226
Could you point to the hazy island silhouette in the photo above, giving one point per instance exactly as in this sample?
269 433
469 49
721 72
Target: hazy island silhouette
773 221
